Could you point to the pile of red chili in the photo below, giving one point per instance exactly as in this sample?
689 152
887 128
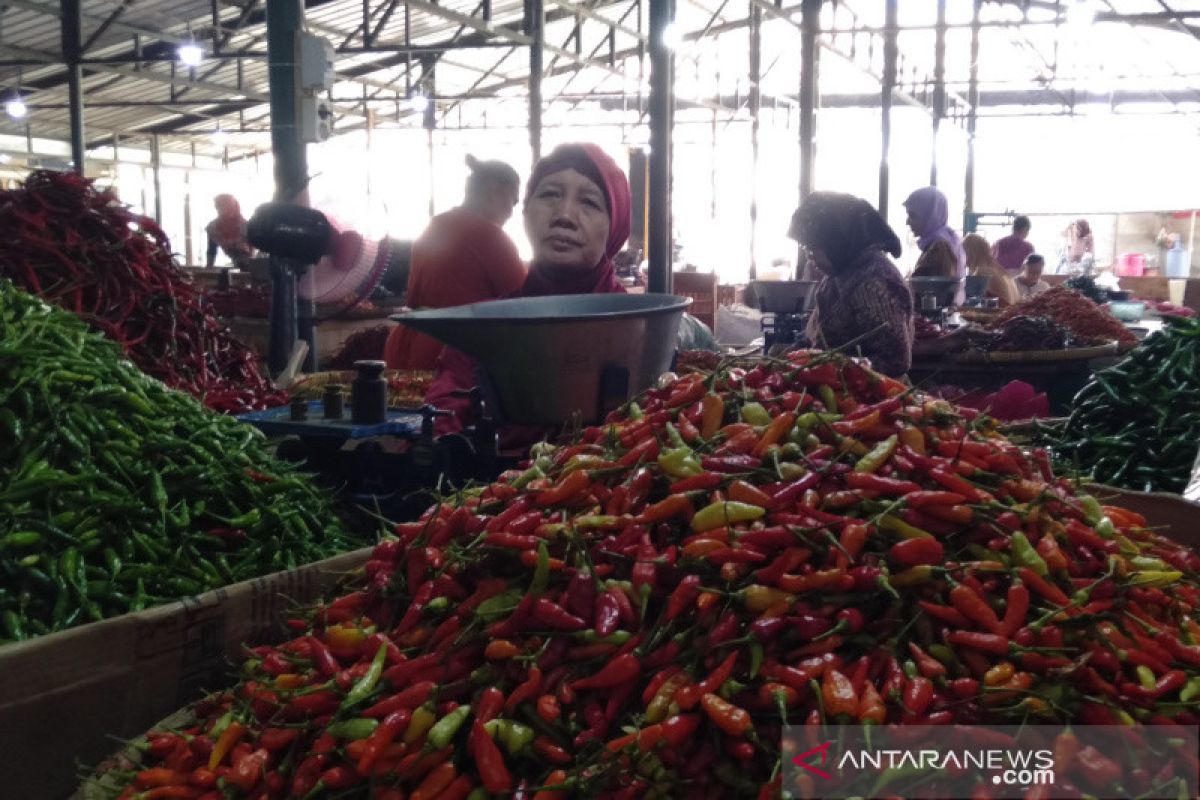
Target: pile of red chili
1073 311
77 246
638 613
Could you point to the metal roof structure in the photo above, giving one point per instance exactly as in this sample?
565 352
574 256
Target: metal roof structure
469 56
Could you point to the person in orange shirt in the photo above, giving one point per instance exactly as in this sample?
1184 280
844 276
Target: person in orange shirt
462 257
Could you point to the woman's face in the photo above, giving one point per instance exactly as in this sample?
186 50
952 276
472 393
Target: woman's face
913 224
567 221
818 257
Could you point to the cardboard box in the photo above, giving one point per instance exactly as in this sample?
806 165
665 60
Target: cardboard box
1171 514
68 699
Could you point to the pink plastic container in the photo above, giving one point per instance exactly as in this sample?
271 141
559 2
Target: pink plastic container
1131 264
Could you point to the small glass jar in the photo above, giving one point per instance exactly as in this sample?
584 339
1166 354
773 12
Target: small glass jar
368 394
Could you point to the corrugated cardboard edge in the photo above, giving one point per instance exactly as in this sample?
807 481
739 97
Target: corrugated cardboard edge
66 699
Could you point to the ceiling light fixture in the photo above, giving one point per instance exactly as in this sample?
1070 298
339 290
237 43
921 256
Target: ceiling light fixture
418 102
15 106
190 54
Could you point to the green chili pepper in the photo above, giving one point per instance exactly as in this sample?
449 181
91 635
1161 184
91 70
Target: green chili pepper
444 729
513 735
680 462
366 684
1026 555
353 729
755 414
879 454
541 573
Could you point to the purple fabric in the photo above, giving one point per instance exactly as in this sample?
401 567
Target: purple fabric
1011 252
930 211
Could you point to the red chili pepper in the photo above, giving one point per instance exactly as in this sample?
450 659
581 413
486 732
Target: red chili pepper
526 691
619 670
697 483
912 552
1043 587
927 665
987 642
729 718
892 487
492 770
552 615
1017 608
918 694
682 597
974 608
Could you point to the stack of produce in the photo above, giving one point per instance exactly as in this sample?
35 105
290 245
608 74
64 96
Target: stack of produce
1137 424
240 301
1073 311
117 493
406 388
364 345
638 613
1086 286
1022 334
1169 309
1016 401
78 247
926 329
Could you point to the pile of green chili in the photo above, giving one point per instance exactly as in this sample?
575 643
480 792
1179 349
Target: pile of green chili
117 493
1136 425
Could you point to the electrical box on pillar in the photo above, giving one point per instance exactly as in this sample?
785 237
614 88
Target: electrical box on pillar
314 77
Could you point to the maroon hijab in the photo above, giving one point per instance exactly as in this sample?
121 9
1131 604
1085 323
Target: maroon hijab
592 162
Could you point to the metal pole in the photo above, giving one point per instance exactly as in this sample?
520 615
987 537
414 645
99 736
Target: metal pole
284 19
535 23
972 117
939 87
156 169
890 55
1192 243
662 113
755 107
810 29
72 48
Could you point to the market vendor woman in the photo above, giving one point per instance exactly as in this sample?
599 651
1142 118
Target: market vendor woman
577 206
861 298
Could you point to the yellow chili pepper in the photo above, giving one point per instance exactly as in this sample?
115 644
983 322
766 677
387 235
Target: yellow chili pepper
712 412
897 525
878 455
757 597
717 515
911 577
422 720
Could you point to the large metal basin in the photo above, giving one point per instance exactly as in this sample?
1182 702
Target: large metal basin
548 359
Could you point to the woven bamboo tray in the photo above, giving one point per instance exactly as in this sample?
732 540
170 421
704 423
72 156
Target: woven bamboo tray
1035 356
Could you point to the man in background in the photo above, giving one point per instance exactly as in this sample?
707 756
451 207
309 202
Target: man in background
463 257
1011 251
1029 282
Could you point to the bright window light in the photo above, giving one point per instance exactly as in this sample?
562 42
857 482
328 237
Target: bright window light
16 107
1081 14
219 137
5 158
418 102
672 36
190 54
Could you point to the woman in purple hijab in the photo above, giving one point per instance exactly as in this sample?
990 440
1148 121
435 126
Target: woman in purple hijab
942 254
